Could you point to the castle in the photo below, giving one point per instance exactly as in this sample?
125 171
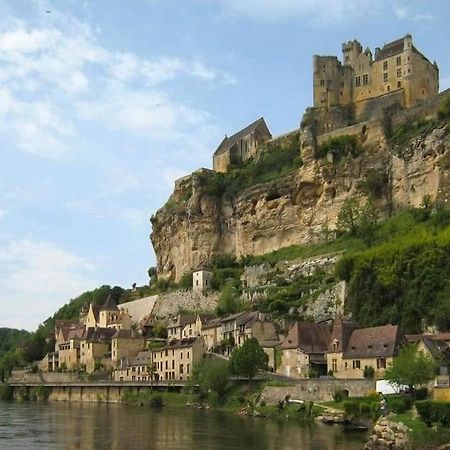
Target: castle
360 88
398 68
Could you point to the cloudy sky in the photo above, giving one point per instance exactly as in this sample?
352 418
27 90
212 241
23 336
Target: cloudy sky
104 103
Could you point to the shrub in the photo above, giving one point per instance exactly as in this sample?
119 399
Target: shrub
351 407
364 409
6 392
434 411
444 110
156 401
421 394
368 372
340 146
339 395
399 405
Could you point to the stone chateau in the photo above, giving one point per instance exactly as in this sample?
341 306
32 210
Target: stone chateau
354 90
397 66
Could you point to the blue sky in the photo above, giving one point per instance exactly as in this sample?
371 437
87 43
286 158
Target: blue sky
104 103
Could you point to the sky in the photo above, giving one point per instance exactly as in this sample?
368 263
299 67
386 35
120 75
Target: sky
104 103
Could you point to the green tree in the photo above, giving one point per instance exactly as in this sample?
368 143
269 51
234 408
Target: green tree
228 301
211 375
348 217
411 368
248 360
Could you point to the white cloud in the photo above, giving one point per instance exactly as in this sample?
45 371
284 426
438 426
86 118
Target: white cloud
38 277
55 76
407 13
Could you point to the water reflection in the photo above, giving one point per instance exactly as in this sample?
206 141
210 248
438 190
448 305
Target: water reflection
118 427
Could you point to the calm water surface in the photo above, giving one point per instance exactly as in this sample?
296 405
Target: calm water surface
109 426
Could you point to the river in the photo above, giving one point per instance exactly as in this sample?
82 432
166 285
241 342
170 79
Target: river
90 426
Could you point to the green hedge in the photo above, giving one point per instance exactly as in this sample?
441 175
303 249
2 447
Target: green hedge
434 412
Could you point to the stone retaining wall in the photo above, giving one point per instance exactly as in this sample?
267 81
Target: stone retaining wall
317 390
388 435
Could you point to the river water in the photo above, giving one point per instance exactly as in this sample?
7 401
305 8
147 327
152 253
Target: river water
53 425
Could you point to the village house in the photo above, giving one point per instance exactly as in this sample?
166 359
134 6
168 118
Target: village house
353 350
187 325
135 368
95 348
211 332
175 360
201 279
124 344
69 350
241 146
304 350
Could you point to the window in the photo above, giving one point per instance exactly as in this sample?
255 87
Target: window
399 60
167 365
385 65
381 363
187 355
399 84
399 73
181 368
334 365
356 364
385 77
187 368
322 82
181 355
358 81
365 79
173 364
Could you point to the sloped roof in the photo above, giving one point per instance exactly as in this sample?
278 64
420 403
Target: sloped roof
394 48
309 337
178 343
247 319
182 320
212 324
125 334
75 333
99 334
109 305
340 334
374 342
230 141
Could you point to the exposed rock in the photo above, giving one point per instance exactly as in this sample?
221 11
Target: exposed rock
388 435
196 223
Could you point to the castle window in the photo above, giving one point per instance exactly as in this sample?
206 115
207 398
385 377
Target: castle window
385 77
358 81
399 60
322 82
385 65
399 73
334 365
399 84
356 364
388 88
365 79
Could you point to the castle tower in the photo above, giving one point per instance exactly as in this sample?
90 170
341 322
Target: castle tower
408 74
350 52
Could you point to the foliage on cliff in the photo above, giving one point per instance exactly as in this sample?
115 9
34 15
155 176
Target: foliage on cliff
273 162
404 277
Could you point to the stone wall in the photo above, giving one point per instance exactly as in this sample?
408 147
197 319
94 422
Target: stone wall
317 390
426 109
170 304
21 376
373 108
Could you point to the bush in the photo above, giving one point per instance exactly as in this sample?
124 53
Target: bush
340 146
399 405
444 110
351 407
434 412
156 401
6 392
421 394
368 372
339 395
364 409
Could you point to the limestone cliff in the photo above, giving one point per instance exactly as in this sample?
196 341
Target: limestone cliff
197 223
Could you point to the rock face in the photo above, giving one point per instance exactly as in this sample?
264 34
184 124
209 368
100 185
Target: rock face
196 223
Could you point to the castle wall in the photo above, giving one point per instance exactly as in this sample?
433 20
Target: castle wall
373 108
222 161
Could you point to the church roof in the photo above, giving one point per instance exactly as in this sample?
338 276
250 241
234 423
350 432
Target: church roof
230 141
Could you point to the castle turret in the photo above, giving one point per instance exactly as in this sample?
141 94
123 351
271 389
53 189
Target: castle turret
350 52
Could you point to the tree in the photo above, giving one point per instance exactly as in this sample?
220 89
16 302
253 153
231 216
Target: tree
228 302
412 368
152 274
348 216
211 375
249 359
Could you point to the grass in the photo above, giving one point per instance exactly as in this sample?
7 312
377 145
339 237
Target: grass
421 436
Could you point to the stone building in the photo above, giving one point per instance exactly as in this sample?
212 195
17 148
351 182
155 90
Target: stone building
398 67
95 348
352 349
241 146
175 360
125 343
201 279
304 350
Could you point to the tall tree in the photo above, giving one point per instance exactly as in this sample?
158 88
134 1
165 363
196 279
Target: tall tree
412 368
249 359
